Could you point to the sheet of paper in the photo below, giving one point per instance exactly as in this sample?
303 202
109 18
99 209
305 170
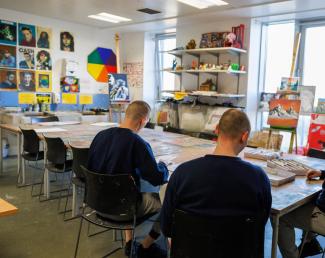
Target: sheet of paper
59 123
50 130
104 124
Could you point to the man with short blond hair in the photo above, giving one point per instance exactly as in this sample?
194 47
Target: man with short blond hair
219 184
121 150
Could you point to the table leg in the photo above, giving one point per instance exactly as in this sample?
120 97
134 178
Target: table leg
275 236
269 139
19 162
46 188
292 139
1 158
74 200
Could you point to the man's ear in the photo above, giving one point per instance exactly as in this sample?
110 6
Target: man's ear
245 136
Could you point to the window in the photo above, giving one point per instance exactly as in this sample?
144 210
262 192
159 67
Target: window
166 80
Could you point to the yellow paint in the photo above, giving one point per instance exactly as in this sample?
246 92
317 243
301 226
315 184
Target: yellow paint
85 99
69 98
95 70
26 98
46 75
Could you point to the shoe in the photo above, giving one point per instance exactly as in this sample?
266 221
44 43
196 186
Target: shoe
311 248
127 247
154 251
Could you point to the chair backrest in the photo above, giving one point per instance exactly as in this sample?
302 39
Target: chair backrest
80 158
31 141
111 194
150 125
39 119
56 150
316 153
223 237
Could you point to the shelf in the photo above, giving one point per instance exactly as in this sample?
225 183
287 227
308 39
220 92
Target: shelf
215 71
213 94
213 51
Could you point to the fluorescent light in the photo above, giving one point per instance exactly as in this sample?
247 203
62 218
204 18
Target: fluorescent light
201 4
109 17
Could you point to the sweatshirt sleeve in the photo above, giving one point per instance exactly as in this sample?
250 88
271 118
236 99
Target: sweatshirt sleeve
266 196
151 171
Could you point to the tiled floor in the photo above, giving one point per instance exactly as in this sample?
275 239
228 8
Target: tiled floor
38 230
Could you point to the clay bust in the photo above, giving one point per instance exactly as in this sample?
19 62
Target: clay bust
191 44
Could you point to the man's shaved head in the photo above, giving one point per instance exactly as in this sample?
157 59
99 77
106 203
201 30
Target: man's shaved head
137 110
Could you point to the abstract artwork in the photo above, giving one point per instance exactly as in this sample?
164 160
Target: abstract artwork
43 81
8 32
27 35
101 62
118 87
135 73
69 84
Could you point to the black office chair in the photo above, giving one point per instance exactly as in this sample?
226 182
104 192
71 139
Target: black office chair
113 195
80 158
57 162
316 153
223 237
208 136
31 152
39 119
150 125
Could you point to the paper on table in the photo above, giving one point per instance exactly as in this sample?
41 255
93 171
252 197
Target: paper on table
104 124
60 123
50 130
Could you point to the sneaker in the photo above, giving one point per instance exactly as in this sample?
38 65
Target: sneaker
154 251
127 247
311 248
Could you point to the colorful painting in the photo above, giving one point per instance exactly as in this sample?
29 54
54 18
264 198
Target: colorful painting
321 106
44 37
69 84
101 62
26 80
43 81
307 97
27 35
7 56
284 113
118 87
8 32
316 136
26 58
43 60
66 41
45 98
289 84
8 79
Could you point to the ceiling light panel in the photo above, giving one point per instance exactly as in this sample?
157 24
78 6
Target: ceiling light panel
109 17
202 4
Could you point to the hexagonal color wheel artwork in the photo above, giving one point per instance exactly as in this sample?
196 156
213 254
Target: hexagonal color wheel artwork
101 62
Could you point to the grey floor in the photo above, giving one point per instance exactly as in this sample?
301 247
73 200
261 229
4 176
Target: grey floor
37 230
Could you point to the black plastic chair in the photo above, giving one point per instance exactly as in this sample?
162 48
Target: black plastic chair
316 154
80 158
223 237
150 125
208 136
40 119
31 152
56 160
112 195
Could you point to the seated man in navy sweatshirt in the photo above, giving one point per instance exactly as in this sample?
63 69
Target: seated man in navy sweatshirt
310 217
122 150
215 184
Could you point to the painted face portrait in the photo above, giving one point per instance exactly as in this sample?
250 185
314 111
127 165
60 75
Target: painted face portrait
67 41
43 60
8 80
27 35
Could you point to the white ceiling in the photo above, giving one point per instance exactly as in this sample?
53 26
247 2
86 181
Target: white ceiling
173 12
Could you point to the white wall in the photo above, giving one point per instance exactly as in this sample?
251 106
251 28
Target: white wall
86 40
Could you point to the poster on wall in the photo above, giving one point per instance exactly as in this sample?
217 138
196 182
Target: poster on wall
66 41
43 60
135 73
118 87
26 58
69 84
43 81
284 113
26 80
7 56
44 37
8 79
44 98
8 32
307 97
26 35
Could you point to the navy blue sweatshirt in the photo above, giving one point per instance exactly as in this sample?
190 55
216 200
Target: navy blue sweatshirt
120 151
320 202
216 186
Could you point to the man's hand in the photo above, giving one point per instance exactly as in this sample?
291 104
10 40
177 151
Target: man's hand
313 173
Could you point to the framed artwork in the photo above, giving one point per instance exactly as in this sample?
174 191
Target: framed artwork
44 37
43 60
284 113
8 32
45 98
265 99
26 58
8 79
307 97
289 84
69 84
26 35
43 81
66 41
118 87
321 106
26 80
7 56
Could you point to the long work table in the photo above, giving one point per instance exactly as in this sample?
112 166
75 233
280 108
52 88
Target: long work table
175 149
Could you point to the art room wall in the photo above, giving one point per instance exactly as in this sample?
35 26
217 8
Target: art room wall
86 39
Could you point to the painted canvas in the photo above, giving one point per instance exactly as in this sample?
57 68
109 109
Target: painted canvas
26 35
26 80
26 58
66 41
118 87
8 32
265 99
321 106
44 37
284 113
44 98
8 79
69 84
7 56
307 97
43 81
43 60
316 136
289 84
